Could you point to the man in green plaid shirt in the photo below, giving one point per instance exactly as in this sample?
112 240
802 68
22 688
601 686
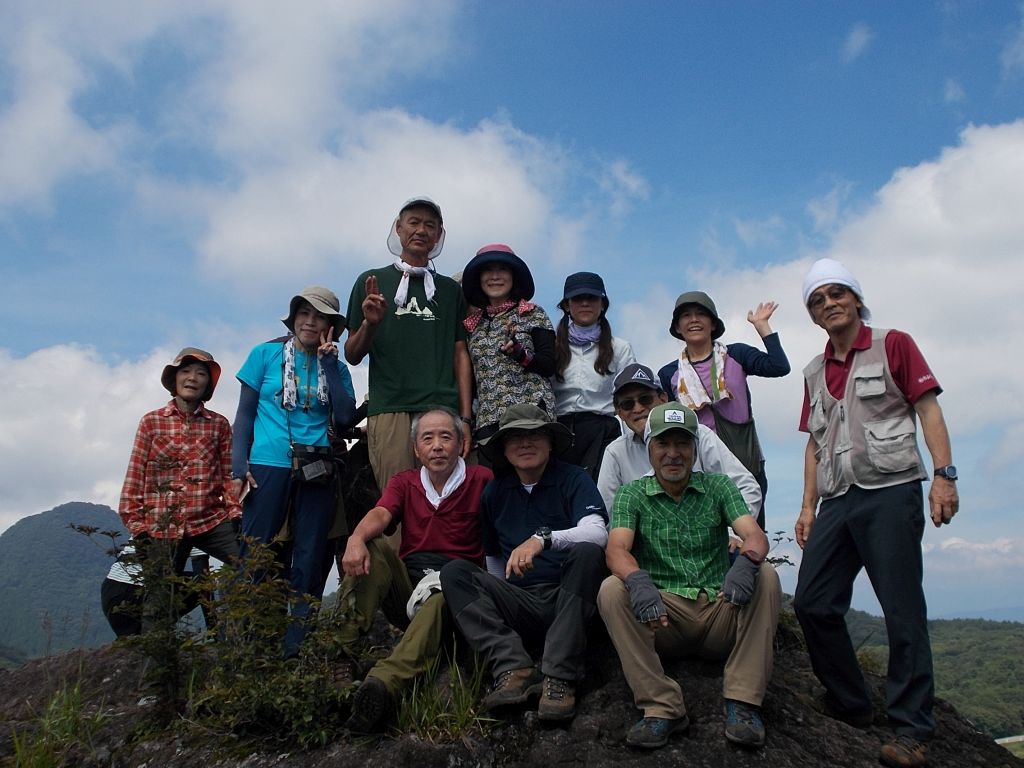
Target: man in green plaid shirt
672 591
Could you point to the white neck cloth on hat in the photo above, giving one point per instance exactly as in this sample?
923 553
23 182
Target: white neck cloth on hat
402 294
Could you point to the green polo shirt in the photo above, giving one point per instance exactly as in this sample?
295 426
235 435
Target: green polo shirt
684 545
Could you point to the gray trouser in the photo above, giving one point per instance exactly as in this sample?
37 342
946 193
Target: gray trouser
497 618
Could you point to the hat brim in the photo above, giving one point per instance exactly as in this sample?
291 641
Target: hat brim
522 281
716 332
338 320
170 372
493 447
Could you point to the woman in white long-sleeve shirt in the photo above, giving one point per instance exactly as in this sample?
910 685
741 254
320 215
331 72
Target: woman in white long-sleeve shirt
587 357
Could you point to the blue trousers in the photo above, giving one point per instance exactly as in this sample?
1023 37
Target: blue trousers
312 510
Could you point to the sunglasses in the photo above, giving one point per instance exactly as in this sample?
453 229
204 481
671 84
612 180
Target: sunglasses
645 401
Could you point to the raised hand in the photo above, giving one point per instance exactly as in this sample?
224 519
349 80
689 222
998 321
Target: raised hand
759 317
327 348
375 306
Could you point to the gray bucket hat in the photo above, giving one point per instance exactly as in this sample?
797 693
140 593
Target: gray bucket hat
525 417
701 299
324 301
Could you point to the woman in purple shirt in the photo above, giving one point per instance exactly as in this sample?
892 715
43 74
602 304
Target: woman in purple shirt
711 377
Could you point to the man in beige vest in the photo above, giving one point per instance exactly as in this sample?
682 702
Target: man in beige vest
862 400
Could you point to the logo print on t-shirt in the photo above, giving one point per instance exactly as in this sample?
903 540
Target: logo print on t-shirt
412 307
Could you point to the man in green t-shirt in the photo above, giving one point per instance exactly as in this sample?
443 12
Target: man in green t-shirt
408 319
672 591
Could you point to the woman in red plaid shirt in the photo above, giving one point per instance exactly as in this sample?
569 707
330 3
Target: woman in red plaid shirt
177 489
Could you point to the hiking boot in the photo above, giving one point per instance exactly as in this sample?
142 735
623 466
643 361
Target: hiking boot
557 700
371 704
653 732
513 686
743 724
904 752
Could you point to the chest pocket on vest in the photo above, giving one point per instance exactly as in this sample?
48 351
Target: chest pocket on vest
817 420
869 381
892 444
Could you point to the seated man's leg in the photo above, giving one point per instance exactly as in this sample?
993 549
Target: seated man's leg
654 692
386 585
749 665
487 612
566 640
830 564
384 683
419 646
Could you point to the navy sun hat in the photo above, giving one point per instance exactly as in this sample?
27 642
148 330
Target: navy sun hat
496 253
583 284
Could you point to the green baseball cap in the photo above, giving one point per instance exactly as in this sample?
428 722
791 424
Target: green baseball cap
668 416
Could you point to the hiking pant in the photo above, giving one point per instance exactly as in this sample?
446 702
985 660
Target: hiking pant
742 635
496 617
879 530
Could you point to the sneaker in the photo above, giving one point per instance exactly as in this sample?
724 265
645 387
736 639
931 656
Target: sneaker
513 686
371 704
904 752
653 732
743 724
557 700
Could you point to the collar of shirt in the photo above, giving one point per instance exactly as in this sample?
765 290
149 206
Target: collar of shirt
172 409
652 487
863 341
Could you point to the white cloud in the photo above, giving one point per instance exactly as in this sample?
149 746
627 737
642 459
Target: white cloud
1012 56
42 139
826 211
857 41
953 92
757 232
623 186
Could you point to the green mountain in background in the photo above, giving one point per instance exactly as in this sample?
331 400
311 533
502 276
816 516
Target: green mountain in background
979 666
50 578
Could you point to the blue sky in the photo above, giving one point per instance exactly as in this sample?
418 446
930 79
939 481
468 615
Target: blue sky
172 173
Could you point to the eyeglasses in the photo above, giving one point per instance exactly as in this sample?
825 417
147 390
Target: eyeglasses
646 401
834 292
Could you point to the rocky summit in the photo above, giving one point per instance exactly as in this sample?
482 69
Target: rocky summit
799 734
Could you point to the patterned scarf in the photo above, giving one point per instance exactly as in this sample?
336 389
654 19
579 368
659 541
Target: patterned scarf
290 395
427 273
690 389
477 314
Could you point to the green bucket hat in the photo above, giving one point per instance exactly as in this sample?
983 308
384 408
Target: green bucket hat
525 417
702 300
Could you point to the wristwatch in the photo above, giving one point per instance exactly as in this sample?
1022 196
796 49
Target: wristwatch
544 534
948 472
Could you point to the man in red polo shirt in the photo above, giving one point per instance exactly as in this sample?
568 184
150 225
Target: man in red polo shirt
438 506
862 399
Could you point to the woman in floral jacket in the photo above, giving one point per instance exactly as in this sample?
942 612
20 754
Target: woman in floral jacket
511 341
